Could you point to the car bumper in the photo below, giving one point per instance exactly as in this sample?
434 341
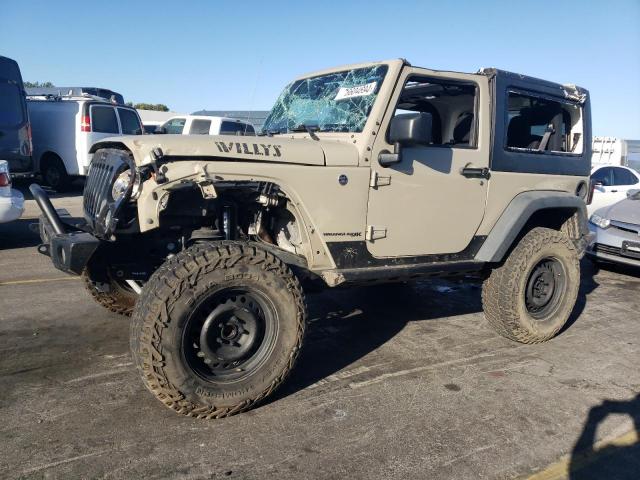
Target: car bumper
68 247
11 206
614 245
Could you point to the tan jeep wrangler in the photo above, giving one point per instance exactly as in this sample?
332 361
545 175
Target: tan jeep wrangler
375 172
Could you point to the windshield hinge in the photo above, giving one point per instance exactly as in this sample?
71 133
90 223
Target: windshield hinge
378 180
375 233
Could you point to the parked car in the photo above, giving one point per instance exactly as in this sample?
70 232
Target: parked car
64 128
15 131
11 200
610 184
204 125
617 231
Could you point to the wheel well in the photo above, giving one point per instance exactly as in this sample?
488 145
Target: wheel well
554 218
557 218
47 157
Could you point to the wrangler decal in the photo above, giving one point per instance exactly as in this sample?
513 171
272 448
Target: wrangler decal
256 149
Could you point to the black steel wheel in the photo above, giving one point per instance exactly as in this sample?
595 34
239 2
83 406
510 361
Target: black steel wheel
230 334
546 285
218 328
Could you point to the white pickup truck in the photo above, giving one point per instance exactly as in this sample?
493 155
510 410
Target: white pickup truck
205 125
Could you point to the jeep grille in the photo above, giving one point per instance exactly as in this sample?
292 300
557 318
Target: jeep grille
106 165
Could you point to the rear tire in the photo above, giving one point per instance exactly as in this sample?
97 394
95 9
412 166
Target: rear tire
217 328
531 296
55 174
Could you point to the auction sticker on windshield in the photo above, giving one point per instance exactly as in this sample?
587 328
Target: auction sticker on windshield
358 91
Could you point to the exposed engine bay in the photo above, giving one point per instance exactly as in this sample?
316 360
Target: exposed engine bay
191 212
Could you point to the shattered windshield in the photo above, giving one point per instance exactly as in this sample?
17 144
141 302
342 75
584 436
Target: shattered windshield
336 102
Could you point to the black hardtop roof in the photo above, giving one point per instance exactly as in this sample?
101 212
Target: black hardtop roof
512 77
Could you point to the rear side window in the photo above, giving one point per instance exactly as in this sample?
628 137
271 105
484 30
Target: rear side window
200 127
103 120
11 105
603 176
622 176
537 123
175 125
235 128
129 122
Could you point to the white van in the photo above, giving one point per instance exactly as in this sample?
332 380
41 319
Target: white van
64 128
205 125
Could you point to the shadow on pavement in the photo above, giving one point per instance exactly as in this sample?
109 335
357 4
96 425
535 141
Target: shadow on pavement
588 284
611 462
347 324
17 234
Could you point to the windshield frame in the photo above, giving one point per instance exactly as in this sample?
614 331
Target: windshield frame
381 71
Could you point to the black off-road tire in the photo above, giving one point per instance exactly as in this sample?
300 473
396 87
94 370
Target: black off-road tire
55 174
118 299
504 293
170 301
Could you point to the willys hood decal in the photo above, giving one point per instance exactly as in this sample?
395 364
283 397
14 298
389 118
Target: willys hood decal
301 151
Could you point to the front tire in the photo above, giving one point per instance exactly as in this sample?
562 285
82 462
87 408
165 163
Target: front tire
531 296
117 297
217 328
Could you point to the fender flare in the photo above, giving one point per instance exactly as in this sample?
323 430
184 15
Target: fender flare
518 212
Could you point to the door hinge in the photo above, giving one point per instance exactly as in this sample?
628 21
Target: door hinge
378 180
375 233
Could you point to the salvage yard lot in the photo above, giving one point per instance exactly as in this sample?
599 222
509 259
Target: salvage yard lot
394 382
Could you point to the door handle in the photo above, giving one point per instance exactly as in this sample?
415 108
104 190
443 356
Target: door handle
614 191
475 172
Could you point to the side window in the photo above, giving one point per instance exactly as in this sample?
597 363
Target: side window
200 127
129 122
11 100
604 176
622 176
103 119
175 125
540 124
234 128
451 105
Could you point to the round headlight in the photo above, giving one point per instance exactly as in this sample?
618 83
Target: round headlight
121 185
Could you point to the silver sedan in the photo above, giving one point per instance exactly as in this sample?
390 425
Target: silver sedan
617 232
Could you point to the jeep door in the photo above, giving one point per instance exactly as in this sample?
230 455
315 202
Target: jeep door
433 200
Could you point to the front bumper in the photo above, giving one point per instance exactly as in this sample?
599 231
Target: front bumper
614 245
63 240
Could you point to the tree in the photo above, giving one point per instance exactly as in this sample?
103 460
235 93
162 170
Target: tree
38 85
150 106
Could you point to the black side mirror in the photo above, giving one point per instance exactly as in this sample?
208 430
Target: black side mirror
160 130
407 129
411 129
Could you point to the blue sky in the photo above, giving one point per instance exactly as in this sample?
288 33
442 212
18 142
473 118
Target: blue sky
194 55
